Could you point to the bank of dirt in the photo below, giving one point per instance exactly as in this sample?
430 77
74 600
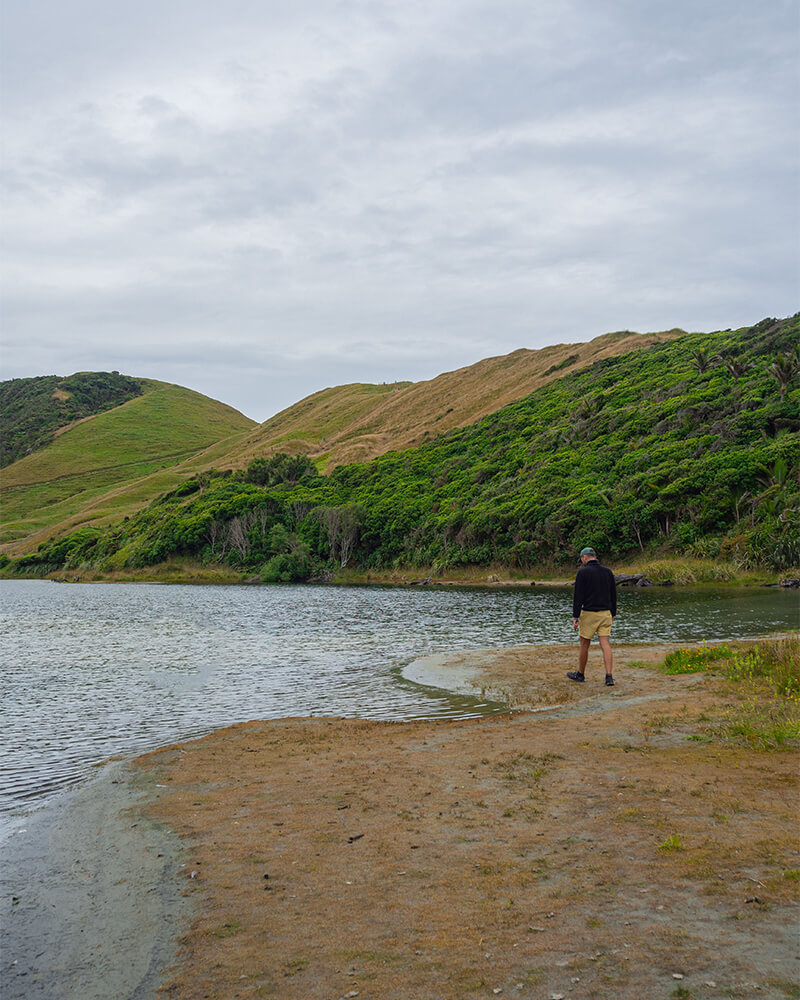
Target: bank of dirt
593 850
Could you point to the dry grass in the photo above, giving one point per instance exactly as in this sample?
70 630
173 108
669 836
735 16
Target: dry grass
355 423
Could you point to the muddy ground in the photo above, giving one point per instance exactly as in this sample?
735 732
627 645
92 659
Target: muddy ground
604 848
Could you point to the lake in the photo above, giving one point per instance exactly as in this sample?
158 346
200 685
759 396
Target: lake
93 671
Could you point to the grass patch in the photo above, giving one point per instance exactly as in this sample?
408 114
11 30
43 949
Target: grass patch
776 660
672 843
768 672
230 929
764 725
692 661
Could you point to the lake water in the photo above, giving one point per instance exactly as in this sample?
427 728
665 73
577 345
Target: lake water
93 671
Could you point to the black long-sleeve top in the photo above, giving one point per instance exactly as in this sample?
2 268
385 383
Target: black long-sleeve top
595 589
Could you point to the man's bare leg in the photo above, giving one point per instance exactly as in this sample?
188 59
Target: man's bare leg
583 654
608 656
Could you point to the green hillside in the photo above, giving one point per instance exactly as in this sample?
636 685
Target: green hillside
689 446
32 410
148 436
338 425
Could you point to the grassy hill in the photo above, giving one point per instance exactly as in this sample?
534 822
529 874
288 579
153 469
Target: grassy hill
108 465
34 410
118 472
691 446
355 423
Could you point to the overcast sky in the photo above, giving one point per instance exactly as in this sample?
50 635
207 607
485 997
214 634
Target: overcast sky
260 199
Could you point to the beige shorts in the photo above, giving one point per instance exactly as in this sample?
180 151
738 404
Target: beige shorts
594 621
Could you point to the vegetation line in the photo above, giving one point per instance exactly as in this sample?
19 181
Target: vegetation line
687 451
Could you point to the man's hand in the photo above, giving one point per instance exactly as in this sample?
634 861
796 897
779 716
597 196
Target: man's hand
575 622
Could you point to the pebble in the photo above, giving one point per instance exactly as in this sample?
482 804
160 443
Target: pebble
677 975
556 996
711 983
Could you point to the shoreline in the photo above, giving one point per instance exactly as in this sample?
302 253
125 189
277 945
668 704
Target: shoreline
90 907
312 857
674 571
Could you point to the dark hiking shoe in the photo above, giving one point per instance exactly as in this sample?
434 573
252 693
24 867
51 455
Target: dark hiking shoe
609 681
574 675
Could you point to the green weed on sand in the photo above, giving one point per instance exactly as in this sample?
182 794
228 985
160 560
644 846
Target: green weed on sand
767 679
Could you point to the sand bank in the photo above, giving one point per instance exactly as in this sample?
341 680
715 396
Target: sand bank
593 850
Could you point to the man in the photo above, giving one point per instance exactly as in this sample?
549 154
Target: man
594 607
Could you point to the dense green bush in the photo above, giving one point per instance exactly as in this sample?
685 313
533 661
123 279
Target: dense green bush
32 409
280 469
643 452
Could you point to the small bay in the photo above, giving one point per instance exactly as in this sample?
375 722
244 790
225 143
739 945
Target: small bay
94 671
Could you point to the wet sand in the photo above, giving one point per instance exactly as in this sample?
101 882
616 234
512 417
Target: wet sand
90 902
521 855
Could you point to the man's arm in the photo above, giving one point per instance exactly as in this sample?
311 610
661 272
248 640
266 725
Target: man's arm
577 597
613 587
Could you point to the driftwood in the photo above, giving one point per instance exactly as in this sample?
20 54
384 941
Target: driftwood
639 580
421 583
790 583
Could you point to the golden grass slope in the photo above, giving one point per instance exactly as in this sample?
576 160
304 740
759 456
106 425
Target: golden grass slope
109 466
354 423
106 466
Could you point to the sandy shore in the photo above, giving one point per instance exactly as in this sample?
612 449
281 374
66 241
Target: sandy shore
588 845
520 856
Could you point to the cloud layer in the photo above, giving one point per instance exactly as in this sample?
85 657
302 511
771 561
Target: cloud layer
259 202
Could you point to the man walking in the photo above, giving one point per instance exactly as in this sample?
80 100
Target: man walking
594 608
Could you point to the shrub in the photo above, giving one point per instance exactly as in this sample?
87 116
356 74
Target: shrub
288 567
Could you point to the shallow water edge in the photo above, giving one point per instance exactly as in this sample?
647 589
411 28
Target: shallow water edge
90 905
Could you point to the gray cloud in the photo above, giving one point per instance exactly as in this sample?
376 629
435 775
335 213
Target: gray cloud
260 202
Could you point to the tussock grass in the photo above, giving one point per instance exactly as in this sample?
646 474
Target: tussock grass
767 676
687 570
354 423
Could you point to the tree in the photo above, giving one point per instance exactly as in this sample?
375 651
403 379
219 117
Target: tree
784 369
343 525
280 469
702 361
736 368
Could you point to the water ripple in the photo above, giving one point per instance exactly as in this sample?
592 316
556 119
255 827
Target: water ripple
91 672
